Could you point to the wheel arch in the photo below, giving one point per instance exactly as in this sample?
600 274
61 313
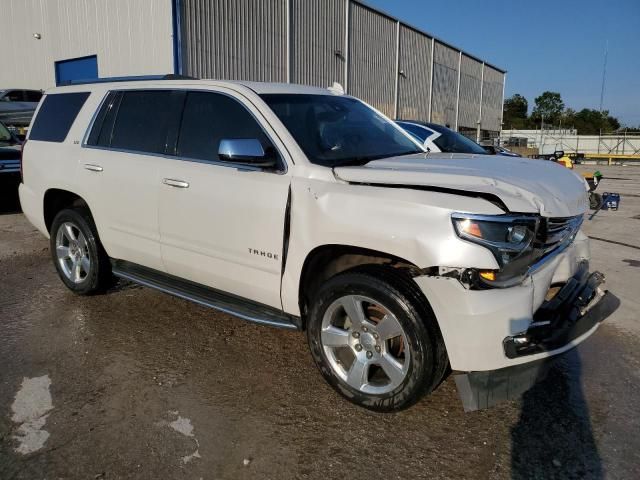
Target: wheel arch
325 261
55 200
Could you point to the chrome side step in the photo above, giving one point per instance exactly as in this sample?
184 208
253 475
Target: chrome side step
205 296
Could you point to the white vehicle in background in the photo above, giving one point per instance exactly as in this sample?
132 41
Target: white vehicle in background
438 138
305 209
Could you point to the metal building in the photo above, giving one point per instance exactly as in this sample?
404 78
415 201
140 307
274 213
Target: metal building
402 71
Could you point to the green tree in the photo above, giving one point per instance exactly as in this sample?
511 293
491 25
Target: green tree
549 106
515 112
592 122
567 118
614 123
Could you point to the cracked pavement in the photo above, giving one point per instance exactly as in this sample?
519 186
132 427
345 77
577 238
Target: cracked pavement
141 381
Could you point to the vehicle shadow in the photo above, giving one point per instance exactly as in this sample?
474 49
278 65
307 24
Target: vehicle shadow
9 200
553 437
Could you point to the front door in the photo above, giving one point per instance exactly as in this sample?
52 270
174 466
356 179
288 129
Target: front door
221 224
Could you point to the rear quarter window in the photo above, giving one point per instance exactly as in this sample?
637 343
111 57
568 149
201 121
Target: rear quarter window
56 115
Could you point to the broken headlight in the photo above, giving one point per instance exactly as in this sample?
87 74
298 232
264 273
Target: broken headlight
509 237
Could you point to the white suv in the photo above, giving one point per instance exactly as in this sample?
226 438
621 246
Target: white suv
302 208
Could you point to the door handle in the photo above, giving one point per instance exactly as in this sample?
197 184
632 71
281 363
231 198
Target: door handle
92 168
175 183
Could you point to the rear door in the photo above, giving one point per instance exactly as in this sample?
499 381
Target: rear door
222 224
121 161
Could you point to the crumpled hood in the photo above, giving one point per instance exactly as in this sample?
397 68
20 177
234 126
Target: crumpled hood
523 185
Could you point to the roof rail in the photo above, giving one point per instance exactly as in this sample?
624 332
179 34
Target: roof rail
133 78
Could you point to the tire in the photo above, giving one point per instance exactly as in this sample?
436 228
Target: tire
595 200
401 369
74 241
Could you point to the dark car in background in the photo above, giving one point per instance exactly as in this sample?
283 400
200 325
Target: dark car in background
10 152
18 105
438 138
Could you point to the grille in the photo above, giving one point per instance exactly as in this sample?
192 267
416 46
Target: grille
557 232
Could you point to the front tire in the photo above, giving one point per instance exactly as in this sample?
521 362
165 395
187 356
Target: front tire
375 339
78 255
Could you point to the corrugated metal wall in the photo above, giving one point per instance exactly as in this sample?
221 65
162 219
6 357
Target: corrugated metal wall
470 83
492 98
372 58
445 85
129 38
318 42
414 75
235 39
315 42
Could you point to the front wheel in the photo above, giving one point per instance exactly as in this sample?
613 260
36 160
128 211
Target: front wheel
375 339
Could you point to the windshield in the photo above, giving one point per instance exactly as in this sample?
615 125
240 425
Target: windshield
335 131
5 136
453 142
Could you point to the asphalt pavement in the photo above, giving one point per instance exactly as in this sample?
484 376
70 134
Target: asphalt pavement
138 384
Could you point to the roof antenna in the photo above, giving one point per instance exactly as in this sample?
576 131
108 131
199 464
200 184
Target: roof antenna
336 89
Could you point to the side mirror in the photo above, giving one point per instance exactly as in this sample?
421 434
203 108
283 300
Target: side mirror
248 151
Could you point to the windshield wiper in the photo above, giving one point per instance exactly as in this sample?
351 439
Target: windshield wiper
354 162
360 161
415 152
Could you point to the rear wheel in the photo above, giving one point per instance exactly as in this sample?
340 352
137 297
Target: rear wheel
77 253
375 339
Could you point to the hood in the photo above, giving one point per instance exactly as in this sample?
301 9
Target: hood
523 185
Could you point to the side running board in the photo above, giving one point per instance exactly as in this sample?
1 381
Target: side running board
206 296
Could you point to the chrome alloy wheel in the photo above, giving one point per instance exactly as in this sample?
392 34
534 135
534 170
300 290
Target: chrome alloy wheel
72 252
365 344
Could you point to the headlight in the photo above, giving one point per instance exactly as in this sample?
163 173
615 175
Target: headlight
509 237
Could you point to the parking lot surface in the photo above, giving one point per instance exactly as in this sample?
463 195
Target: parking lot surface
139 384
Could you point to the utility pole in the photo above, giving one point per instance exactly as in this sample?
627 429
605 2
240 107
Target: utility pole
541 133
604 74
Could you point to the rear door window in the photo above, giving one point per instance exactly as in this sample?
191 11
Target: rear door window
143 120
102 128
210 117
56 115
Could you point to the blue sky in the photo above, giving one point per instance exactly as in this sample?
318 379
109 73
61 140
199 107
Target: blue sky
544 45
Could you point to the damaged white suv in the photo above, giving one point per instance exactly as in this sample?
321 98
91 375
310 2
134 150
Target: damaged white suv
307 209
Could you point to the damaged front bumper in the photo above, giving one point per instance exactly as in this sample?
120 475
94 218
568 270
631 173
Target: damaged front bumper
500 339
559 325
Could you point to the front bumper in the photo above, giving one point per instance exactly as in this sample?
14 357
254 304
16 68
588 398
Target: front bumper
503 338
571 319
562 319
475 323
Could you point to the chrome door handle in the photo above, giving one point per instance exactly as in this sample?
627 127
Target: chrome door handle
175 183
92 168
